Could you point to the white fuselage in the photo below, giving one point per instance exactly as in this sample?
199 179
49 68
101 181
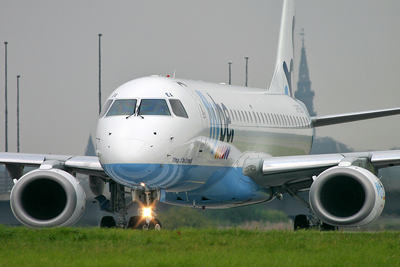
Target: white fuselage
224 124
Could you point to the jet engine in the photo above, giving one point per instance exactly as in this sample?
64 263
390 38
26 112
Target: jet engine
47 198
347 196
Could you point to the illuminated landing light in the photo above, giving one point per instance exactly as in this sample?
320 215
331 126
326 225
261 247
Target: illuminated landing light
142 184
147 212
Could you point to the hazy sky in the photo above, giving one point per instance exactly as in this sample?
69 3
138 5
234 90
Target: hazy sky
352 49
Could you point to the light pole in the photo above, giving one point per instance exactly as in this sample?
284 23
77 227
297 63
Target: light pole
18 76
6 101
100 73
230 72
247 70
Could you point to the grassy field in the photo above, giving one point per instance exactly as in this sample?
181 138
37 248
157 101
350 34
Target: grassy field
21 246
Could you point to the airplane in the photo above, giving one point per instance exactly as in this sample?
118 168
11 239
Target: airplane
204 145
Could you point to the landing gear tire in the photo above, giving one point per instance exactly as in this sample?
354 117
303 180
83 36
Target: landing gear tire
328 227
301 222
155 224
136 222
108 222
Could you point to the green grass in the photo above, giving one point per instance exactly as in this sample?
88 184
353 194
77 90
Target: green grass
21 246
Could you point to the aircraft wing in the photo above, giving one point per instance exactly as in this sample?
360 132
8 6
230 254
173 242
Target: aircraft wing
355 116
299 171
15 162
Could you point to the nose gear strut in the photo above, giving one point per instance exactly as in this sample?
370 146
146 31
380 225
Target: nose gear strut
119 204
147 200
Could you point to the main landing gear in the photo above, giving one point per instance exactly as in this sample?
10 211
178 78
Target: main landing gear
120 203
302 221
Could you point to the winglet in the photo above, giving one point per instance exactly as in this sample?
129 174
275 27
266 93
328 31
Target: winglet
283 75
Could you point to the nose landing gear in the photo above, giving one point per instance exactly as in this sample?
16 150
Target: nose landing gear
147 200
119 206
140 223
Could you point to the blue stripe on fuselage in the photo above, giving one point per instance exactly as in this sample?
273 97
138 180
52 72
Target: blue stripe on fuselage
215 180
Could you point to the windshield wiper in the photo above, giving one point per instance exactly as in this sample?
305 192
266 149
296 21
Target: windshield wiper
127 117
136 114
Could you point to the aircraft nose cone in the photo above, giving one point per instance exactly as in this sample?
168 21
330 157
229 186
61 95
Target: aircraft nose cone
120 150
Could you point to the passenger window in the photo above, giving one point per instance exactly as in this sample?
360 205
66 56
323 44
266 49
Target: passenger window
122 107
177 108
267 118
153 107
260 118
105 107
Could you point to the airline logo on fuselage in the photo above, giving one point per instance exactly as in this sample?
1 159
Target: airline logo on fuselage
219 119
222 152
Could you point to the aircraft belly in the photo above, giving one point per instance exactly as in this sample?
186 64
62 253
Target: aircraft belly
229 188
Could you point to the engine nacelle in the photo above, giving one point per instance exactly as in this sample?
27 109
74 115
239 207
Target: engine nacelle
347 196
48 198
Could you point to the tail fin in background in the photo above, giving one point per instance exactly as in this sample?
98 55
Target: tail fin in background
283 75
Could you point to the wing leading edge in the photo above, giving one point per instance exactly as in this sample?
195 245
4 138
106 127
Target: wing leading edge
82 164
278 171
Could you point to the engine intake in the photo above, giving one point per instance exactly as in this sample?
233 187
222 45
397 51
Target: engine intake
347 196
47 198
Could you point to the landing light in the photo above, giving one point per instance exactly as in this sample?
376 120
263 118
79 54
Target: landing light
147 212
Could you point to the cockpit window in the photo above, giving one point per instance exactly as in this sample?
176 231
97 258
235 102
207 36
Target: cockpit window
105 107
122 107
153 107
178 108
